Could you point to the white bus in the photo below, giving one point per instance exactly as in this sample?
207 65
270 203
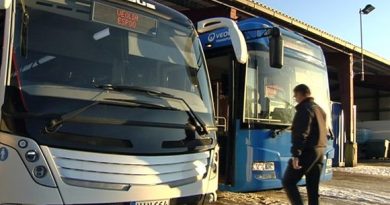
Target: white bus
104 102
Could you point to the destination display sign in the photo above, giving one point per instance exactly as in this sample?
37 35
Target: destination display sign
123 18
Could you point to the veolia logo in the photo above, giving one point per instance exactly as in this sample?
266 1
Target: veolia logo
143 3
218 36
211 37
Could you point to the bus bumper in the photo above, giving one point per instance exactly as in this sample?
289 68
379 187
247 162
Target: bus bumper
20 186
248 180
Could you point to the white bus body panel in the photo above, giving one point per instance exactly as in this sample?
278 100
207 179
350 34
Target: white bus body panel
16 184
236 36
112 168
148 177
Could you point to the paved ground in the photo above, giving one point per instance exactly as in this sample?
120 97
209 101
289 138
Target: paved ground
368 184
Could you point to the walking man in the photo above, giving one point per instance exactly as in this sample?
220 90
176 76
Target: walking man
309 139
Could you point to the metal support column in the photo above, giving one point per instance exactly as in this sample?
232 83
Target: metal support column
344 64
346 76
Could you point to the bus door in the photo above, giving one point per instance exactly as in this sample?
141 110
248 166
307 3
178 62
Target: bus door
221 68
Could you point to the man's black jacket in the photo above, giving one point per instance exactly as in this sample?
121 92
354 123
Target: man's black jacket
309 129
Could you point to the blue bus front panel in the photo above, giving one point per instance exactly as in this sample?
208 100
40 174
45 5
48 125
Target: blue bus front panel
260 146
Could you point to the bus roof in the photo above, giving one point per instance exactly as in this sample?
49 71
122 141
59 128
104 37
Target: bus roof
253 29
220 38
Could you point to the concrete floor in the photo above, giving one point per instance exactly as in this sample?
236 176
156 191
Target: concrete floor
344 189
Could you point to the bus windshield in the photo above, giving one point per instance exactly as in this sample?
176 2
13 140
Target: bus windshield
269 97
67 50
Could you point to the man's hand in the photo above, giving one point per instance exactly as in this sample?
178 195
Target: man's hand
295 163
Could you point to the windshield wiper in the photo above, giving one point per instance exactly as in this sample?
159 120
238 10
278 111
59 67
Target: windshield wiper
55 123
195 120
277 132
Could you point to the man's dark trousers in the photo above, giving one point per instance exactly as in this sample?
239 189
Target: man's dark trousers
312 163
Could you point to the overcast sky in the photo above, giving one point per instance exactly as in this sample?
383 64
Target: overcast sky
341 18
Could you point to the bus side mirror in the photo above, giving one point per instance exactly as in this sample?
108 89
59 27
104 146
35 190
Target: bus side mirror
276 48
236 36
5 4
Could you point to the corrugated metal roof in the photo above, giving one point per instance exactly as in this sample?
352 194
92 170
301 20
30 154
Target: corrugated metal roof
298 23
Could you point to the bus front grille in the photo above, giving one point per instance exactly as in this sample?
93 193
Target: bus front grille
119 172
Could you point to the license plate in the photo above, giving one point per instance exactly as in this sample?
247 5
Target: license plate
156 202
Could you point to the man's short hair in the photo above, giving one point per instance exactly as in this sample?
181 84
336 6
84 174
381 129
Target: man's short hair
303 89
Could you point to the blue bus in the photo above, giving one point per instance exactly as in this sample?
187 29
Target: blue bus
254 102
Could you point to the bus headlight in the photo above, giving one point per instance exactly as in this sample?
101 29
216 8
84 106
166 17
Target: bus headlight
40 172
266 175
263 166
329 163
32 157
214 164
214 170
